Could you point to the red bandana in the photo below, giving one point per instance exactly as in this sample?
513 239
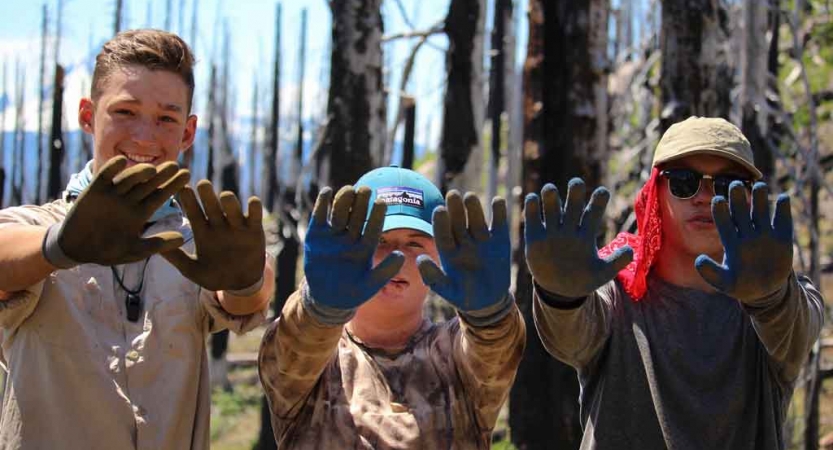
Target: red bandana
645 245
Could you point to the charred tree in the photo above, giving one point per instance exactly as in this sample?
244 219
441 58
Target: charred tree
19 148
229 181
229 176
269 178
56 137
355 135
188 155
564 136
297 160
41 101
753 83
462 109
3 105
696 78
409 105
497 88
211 139
253 144
117 16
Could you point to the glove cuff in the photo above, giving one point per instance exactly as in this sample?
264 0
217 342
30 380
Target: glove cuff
52 251
491 314
247 291
554 300
327 315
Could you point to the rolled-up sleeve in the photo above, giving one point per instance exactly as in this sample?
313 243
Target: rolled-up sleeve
219 319
19 305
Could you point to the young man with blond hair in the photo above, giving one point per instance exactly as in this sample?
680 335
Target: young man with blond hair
674 350
353 363
102 337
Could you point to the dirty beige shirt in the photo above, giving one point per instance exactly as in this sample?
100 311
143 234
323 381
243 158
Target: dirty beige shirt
444 390
81 376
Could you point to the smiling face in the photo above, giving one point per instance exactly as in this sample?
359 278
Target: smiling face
687 225
141 114
405 293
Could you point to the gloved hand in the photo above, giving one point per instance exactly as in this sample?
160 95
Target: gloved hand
338 256
105 224
475 259
561 250
230 246
758 253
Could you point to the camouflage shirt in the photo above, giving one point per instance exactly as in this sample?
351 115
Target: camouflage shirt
443 390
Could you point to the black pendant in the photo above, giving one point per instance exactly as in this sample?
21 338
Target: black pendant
134 307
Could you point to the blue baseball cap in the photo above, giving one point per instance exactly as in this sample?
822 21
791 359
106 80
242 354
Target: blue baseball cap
410 197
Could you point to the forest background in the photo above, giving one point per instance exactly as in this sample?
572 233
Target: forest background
493 96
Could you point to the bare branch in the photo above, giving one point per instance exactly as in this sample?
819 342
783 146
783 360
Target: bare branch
404 14
436 29
406 75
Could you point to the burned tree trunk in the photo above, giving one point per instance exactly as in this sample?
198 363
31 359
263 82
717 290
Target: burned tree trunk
19 148
463 111
212 106
753 83
3 105
253 144
564 136
56 137
696 78
188 154
497 88
356 106
269 179
117 16
41 100
229 176
409 107
229 181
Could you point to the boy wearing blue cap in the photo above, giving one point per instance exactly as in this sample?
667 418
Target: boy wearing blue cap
352 362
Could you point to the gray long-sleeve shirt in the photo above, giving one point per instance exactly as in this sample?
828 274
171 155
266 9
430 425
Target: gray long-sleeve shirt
683 369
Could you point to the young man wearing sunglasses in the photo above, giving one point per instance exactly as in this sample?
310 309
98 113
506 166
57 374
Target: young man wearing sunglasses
672 349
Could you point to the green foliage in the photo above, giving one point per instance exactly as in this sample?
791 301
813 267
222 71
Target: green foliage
503 445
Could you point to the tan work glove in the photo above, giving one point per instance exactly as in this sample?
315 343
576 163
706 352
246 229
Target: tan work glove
230 246
105 224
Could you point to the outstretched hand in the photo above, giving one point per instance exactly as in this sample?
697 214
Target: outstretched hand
561 250
230 246
339 247
757 252
105 224
475 258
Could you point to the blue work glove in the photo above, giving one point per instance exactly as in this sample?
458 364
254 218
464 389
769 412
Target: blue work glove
561 250
475 259
338 256
758 254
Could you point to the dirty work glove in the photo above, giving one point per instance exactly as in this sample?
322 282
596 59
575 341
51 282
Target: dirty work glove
561 250
475 259
105 224
758 254
230 246
338 256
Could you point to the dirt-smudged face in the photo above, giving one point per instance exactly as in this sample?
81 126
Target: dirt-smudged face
141 114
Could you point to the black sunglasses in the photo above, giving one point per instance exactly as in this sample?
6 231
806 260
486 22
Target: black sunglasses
685 183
